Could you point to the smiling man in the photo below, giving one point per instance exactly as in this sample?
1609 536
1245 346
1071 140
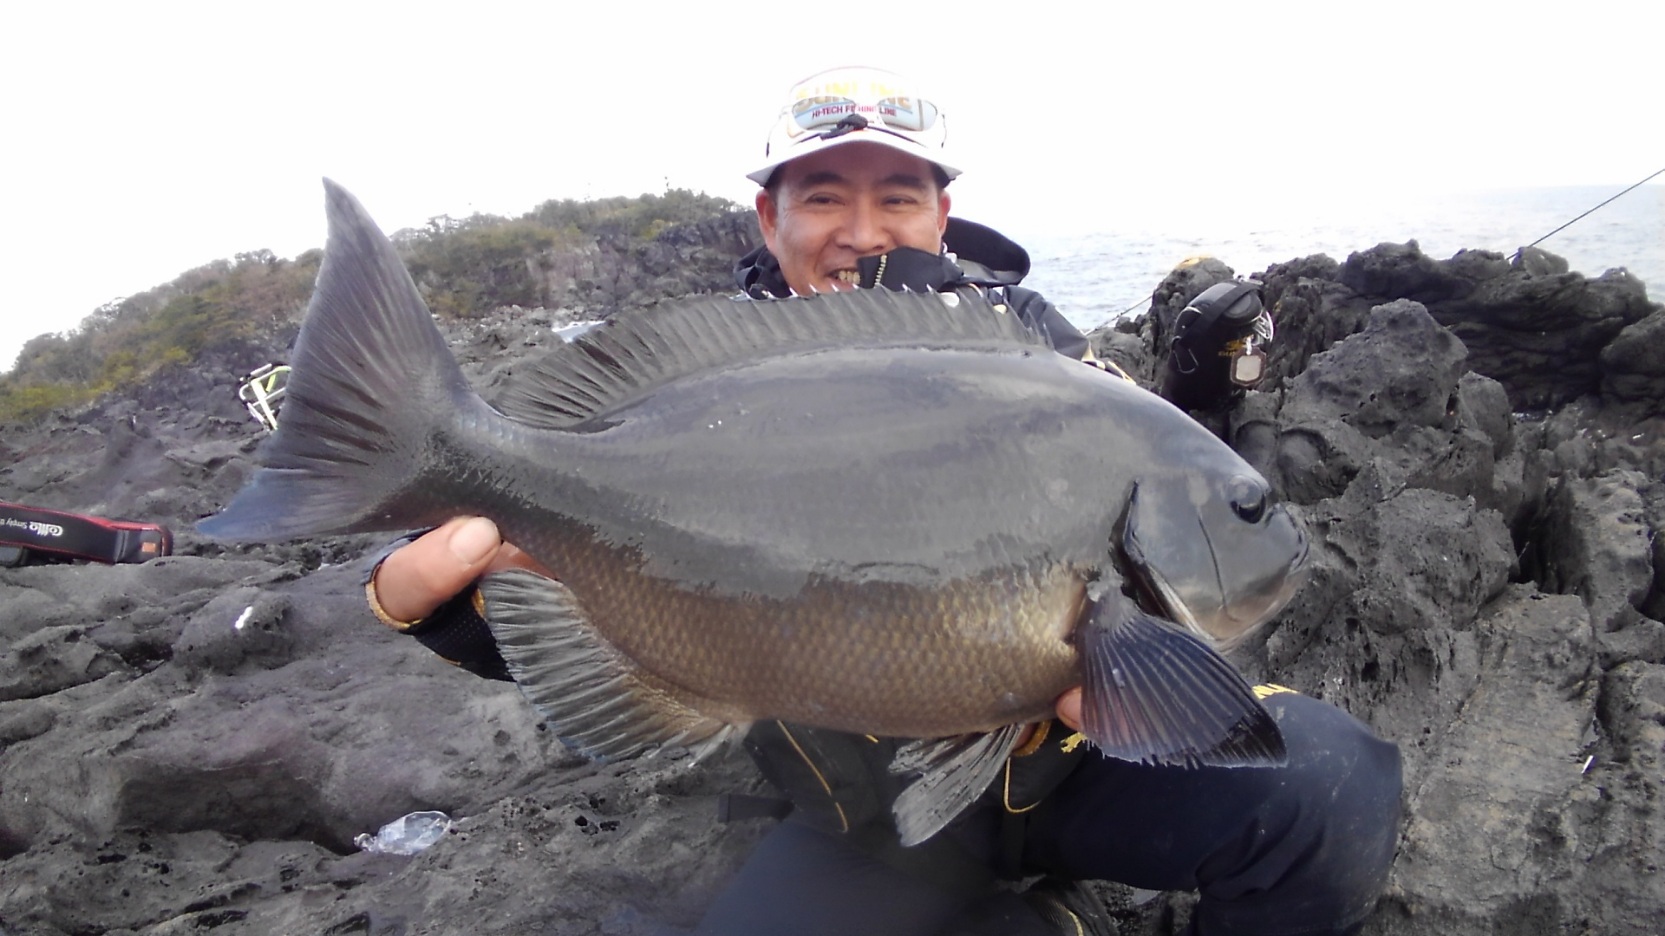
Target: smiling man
823 213
854 195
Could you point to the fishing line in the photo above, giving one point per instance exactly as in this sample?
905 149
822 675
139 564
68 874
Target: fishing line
1516 255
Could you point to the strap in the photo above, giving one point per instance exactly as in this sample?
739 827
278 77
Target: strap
939 860
734 807
1031 774
837 782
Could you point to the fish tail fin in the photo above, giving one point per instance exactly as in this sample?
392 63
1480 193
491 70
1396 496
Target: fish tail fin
371 376
1156 694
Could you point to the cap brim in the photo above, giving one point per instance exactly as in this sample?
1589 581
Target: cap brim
819 144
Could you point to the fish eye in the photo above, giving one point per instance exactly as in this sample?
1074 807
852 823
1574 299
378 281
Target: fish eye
1247 497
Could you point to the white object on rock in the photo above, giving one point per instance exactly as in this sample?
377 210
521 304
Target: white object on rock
406 835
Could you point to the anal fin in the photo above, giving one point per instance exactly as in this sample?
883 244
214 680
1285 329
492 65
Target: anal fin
593 696
953 773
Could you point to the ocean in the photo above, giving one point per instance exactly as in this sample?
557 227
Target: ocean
1097 277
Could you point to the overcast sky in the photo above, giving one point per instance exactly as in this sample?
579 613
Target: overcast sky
144 139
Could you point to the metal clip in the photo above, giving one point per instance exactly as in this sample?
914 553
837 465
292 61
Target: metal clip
1248 363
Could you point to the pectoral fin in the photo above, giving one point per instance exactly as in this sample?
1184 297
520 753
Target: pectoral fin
595 698
953 773
1155 693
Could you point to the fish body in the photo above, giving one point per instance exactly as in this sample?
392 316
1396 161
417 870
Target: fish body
889 513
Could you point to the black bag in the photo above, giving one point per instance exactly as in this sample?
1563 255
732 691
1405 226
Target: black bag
1208 342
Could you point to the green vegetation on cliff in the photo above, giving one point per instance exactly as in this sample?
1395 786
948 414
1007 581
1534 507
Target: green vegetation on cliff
464 267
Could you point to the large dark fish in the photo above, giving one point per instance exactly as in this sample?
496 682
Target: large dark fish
897 514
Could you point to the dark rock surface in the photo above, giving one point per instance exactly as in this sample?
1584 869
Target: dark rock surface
192 744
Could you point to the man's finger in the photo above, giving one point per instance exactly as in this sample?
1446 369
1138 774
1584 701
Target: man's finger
417 578
511 557
1069 708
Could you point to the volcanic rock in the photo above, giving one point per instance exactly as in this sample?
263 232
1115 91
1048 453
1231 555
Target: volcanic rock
193 744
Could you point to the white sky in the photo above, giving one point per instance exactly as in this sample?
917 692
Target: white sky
140 140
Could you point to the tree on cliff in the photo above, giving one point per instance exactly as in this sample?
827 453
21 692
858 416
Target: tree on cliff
560 252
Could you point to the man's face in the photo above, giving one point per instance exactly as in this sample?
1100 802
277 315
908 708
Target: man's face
856 200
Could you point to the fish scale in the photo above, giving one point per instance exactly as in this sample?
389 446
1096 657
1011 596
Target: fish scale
784 659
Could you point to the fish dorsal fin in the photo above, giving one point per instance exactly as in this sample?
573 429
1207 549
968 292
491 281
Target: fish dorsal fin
635 352
594 698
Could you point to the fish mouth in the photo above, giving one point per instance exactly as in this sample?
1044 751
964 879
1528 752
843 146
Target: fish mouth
1227 631
1156 597
1237 616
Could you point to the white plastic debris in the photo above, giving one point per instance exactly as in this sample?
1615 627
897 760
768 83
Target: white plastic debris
406 835
570 332
243 619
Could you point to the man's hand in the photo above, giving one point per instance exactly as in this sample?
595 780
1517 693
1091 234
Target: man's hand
1069 708
418 577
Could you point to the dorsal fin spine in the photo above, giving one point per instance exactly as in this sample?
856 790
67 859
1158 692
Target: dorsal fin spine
635 352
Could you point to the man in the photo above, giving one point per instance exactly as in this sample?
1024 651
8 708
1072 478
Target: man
854 195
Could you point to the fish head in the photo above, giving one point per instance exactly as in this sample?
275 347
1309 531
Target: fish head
1215 550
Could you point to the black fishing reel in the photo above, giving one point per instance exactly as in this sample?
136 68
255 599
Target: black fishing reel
1218 347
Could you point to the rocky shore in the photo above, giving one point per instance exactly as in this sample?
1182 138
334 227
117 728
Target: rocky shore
193 744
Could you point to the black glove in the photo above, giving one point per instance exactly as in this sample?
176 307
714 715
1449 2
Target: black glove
908 268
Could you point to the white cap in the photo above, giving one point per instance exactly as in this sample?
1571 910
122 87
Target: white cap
854 103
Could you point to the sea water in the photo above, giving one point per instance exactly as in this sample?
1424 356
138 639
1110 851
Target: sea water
1097 277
